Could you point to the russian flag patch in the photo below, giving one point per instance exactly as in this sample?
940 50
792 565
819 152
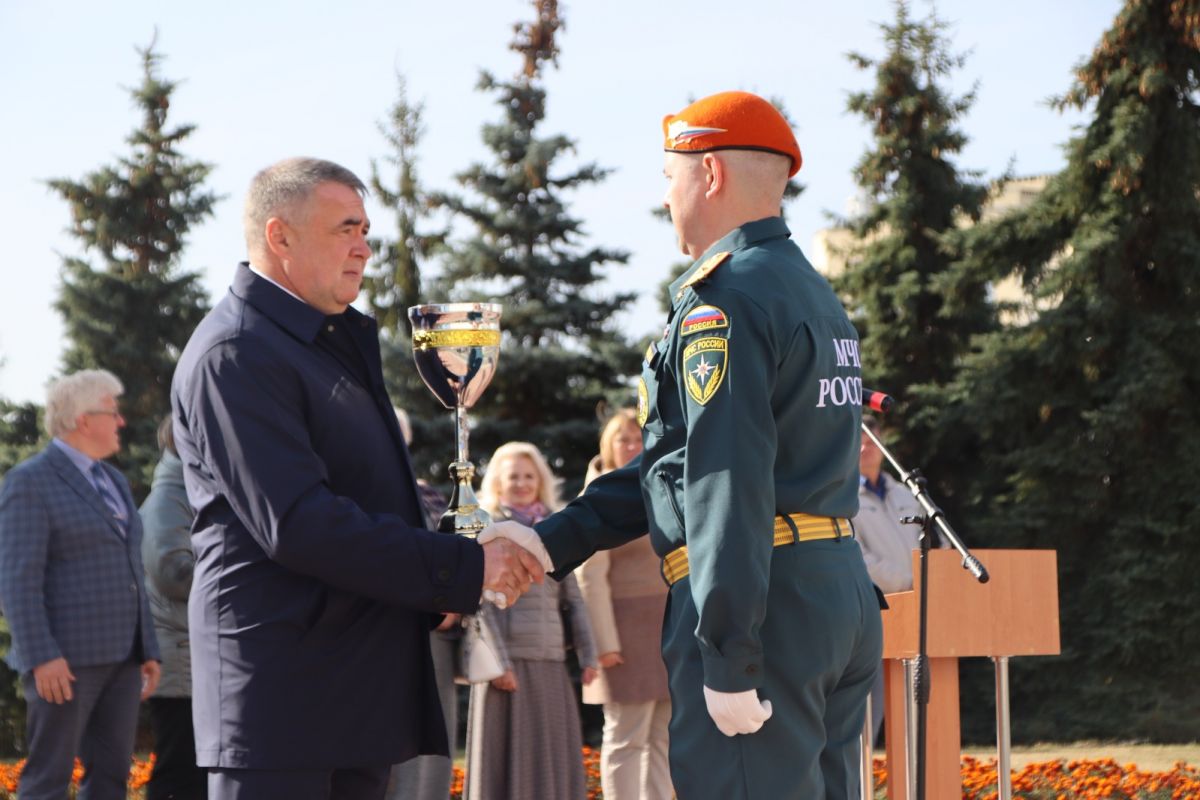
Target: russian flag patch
703 318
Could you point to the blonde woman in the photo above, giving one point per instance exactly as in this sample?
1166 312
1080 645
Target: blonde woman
626 597
531 743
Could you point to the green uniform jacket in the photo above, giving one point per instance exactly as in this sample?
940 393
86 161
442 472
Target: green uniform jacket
751 404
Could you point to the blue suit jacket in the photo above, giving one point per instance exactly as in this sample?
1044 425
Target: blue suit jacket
315 583
70 584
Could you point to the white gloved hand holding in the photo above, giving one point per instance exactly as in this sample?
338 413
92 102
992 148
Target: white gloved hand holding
521 536
737 712
518 534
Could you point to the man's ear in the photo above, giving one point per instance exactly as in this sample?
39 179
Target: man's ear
278 237
714 174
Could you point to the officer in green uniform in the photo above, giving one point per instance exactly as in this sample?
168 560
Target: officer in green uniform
750 408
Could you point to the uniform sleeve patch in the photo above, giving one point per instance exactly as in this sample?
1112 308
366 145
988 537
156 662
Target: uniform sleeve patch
703 318
704 367
643 407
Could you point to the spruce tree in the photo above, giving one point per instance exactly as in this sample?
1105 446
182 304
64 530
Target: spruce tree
20 433
133 314
915 197
21 436
393 282
561 352
914 324
1088 408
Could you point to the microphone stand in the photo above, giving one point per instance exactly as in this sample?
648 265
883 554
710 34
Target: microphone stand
933 516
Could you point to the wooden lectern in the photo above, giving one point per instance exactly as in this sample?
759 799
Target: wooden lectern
1013 614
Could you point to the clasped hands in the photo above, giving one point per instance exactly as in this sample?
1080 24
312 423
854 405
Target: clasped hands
513 558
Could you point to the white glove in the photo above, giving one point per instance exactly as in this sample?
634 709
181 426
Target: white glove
737 712
520 535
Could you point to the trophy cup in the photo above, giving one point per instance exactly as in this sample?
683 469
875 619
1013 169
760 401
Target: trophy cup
456 346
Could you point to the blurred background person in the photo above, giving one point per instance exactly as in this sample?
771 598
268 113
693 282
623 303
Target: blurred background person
72 587
887 544
530 742
169 559
626 597
428 777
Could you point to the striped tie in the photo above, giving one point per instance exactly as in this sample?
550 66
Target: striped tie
100 481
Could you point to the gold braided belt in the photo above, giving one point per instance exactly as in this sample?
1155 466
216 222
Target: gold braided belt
788 529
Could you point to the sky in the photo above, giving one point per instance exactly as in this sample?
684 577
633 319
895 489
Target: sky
264 80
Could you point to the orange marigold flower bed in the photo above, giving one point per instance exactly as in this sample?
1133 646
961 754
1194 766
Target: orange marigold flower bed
1049 780
139 776
1071 780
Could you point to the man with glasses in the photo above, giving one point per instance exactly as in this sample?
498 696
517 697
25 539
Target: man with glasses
73 591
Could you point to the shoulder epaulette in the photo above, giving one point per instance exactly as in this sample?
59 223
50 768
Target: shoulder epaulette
706 269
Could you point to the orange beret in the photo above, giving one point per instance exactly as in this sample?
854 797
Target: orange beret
731 121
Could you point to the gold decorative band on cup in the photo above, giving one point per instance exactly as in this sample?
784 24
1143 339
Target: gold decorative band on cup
424 340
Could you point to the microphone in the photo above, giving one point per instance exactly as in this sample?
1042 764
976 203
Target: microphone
877 401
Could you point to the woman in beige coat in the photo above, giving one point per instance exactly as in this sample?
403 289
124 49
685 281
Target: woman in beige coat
626 597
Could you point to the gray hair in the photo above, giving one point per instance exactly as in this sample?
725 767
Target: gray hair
70 396
282 187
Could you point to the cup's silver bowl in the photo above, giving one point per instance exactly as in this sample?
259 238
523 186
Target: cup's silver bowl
456 347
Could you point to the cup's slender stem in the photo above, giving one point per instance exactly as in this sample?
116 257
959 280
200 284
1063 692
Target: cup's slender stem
462 433
463 516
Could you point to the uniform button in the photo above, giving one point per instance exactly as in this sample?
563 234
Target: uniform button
330 329
133 587
443 574
750 670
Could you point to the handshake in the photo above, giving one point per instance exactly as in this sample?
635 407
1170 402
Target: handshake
513 558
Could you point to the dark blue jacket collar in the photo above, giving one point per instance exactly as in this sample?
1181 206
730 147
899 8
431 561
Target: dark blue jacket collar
743 236
294 316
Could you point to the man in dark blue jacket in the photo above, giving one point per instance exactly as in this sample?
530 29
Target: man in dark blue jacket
316 583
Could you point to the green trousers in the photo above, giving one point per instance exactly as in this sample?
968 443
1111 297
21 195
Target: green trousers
822 641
